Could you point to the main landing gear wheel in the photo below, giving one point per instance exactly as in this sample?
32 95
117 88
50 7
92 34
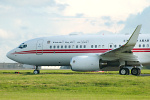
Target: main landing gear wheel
136 71
124 71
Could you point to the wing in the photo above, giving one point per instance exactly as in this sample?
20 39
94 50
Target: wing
124 53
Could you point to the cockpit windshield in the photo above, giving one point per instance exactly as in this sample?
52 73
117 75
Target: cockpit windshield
22 46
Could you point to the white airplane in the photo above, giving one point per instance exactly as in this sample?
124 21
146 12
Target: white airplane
87 52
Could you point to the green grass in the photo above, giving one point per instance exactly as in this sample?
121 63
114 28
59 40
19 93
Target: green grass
69 85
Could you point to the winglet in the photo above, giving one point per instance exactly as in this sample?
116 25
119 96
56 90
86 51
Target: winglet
133 39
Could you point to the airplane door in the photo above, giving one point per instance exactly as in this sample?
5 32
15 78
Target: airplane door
39 47
110 46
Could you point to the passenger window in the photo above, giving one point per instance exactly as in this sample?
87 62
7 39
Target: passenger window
147 40
142 40
65 46
95 46
50 47
61 46
110 46
84 46
91 46
58 46
76 46
139 45
54 47
115 46
143 45
69 46
119 45
80 46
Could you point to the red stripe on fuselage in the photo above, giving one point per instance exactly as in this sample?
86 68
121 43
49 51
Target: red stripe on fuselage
77 51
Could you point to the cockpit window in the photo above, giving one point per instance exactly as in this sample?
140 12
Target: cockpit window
22 46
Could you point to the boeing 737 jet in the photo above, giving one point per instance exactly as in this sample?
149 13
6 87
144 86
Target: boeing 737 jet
87 52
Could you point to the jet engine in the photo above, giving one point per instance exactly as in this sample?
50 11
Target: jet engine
85 63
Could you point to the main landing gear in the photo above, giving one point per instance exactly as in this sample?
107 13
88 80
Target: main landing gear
36 71
126 71
136 71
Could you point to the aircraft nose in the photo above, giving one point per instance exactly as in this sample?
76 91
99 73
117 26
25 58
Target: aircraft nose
10 55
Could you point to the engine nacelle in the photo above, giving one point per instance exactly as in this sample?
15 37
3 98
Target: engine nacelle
85 63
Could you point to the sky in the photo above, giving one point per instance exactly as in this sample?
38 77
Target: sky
21 20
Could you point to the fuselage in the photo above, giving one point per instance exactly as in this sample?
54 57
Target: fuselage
59 50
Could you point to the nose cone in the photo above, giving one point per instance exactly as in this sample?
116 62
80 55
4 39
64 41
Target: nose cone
13 56
9 55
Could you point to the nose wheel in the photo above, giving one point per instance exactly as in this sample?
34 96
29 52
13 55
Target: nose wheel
36 71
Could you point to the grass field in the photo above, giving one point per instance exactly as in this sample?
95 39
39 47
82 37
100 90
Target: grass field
69 85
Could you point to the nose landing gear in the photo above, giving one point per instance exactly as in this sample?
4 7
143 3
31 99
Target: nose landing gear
36 71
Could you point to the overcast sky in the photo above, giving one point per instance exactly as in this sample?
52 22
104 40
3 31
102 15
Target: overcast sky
21 20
